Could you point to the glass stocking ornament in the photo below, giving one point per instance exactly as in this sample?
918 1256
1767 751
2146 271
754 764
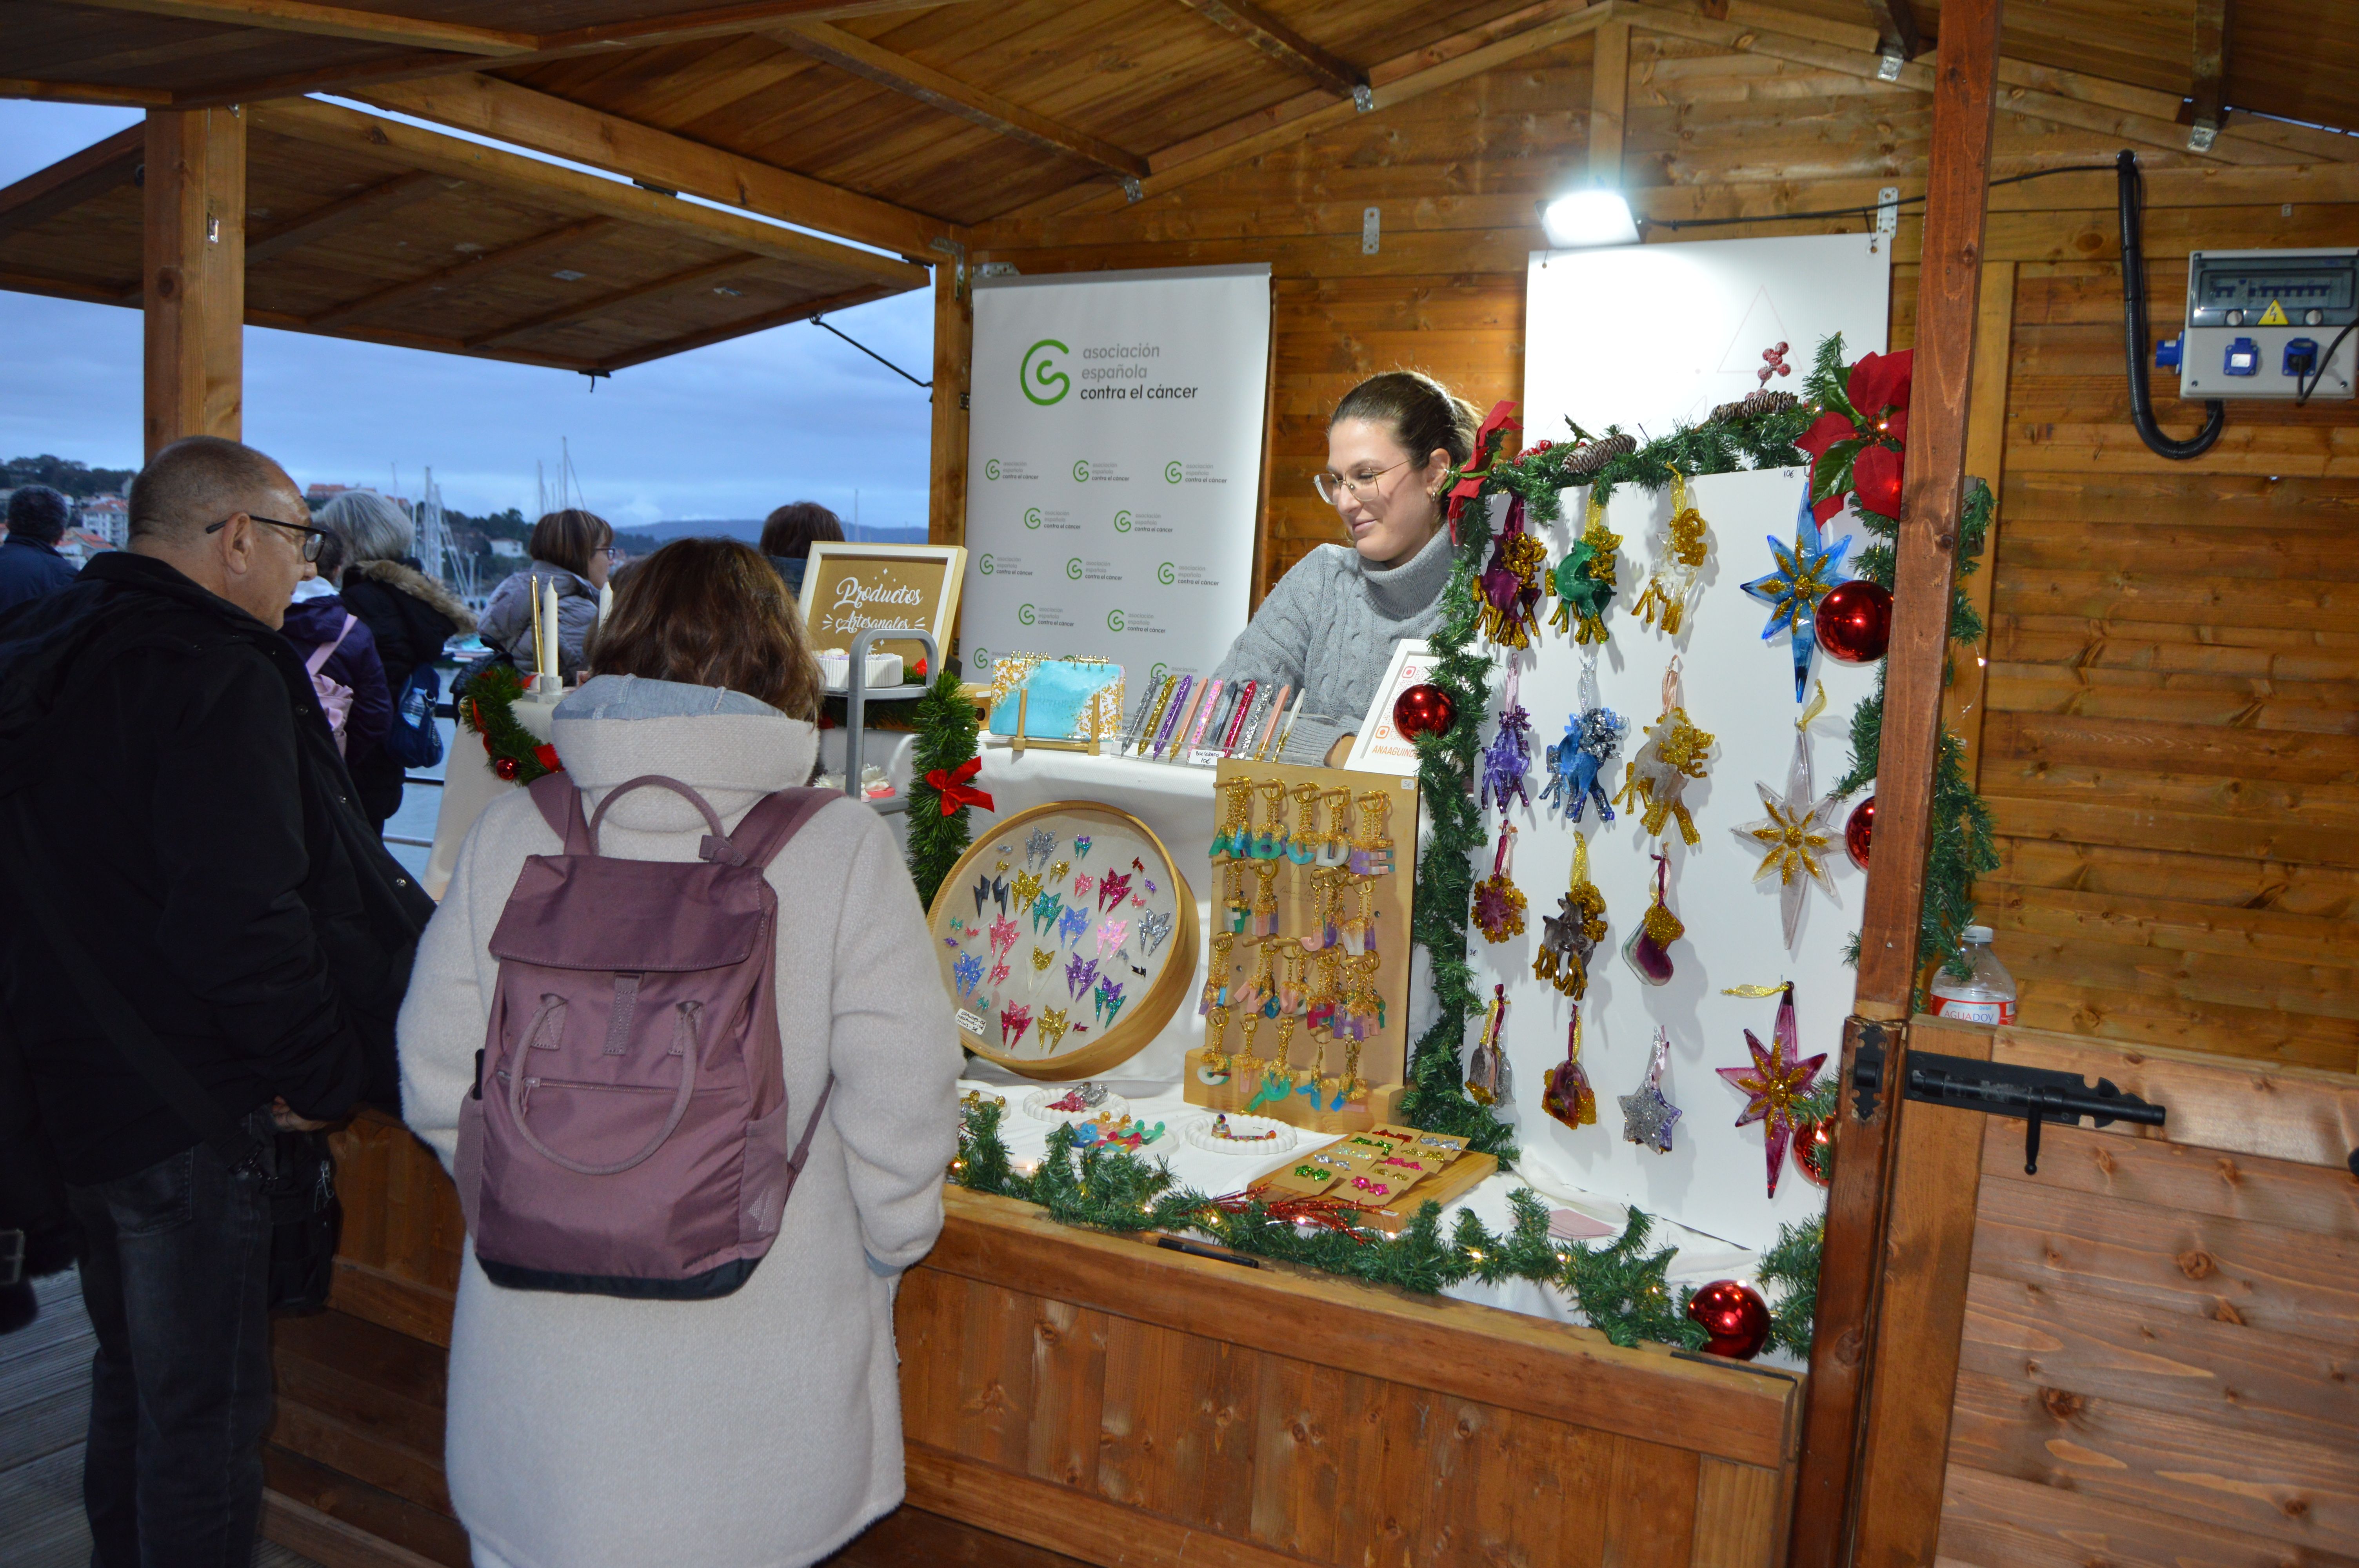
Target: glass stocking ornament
1577 764
1569 936
1678 562
1508 757
1498 904
1508 591
1585 578
1648 951
1647 1116
1794 836
1774 1084
1486 1074
1566 1095
1676 753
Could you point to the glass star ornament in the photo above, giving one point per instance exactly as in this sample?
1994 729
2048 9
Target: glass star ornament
1805 569
1794 837
1774 1085
1647 1115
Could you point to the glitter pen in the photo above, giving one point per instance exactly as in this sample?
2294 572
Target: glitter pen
1269 733
1171 714
1236 716
1187 717
1153 715
1287 733
1203 717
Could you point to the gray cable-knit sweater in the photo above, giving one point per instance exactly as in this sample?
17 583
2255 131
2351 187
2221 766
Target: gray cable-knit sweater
1328 630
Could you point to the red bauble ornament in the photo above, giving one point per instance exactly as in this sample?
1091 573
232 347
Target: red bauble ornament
1814 1152
1858 829
506 767
1854 621
1735 1315
1424 709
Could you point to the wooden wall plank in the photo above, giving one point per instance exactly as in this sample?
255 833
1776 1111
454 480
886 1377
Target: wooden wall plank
1739 1523
2296 1114
1993 1521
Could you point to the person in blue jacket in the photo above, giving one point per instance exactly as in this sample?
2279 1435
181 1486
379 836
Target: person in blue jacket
29 563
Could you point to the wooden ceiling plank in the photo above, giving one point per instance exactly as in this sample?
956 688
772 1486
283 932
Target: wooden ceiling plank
724 21
233 40
332 22
518 116
112 94
606 304
100 167
392 195
762 323
1895 22
396 338
540 247
24 281
850 52
2211 71
1284 45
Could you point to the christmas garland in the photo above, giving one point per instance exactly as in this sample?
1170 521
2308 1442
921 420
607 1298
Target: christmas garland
485 699
945 723
1619 1288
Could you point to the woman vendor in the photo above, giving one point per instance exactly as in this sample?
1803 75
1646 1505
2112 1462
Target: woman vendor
1328 626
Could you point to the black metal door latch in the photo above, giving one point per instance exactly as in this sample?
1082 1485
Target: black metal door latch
2002 1088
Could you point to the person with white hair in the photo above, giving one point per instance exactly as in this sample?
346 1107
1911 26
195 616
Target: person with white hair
410 613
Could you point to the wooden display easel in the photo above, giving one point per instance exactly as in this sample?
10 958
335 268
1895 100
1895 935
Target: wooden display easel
1383 1056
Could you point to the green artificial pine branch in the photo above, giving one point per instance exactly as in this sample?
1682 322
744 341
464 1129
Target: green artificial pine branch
1789 1277
946 730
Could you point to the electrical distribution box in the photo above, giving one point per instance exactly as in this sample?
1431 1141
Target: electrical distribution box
2268 324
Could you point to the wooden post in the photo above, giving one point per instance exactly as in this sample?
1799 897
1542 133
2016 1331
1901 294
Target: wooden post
1609 96
193 255
1963 708
1848 1355
954 350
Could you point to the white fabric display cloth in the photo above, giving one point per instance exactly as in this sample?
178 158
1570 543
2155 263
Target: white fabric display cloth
1700 1258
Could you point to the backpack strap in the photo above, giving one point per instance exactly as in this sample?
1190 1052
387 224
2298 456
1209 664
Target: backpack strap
326 651
560 807
775 818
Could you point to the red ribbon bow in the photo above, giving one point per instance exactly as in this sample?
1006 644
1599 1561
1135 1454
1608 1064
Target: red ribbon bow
1501 421
956 791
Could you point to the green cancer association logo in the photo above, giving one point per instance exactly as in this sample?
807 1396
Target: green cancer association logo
1080 471
1122 521
1165 575
983 563
1155 674
1024 615
1039 370
1074 568
1031 517
991 469
1114 620
1171 471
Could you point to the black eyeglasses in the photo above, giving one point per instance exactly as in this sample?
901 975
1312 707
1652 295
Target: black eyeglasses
313 540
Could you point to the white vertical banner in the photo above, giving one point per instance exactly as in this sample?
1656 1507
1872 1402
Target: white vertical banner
1114 466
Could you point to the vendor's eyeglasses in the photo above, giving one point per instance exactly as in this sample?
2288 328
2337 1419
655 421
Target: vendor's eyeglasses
313 540
1333 487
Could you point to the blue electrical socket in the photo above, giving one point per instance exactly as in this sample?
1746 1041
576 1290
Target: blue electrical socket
2300 356
2244 358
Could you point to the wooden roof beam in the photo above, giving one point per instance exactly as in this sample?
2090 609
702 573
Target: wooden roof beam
850 52
1287 48
1897 41
65 185
391 196
524 252
606 304
2211 72
762 323
333 22
522 117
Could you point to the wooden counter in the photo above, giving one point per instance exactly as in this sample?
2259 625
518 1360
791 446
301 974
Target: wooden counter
1116 1403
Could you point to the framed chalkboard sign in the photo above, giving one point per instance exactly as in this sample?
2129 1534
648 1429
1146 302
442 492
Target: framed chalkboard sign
848 587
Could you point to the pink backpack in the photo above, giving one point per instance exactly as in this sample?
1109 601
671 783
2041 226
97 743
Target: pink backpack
627 1133
335 696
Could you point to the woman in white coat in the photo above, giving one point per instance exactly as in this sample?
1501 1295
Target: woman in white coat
762 1429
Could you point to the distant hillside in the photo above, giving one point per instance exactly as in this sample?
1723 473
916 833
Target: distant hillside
750 530
62 474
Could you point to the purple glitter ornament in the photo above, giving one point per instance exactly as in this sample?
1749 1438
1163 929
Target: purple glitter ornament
1508 757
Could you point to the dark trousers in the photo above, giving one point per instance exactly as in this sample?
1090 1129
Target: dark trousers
175 1281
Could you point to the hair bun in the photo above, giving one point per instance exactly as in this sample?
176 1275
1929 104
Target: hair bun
1422 413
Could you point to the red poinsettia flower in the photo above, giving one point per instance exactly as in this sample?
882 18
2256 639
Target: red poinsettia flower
1879 382
1876 477
546 757
1893 426
1824 432
1822 510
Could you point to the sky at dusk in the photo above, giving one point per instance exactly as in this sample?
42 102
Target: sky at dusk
728 431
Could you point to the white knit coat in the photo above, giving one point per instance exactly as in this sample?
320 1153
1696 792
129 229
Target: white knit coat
762 1430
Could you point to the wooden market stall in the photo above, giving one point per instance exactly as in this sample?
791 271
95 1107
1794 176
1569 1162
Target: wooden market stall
2135 1349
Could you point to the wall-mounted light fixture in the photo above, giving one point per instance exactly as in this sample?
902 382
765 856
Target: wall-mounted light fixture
1580 219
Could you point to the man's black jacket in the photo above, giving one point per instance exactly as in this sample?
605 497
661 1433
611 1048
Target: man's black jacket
210 853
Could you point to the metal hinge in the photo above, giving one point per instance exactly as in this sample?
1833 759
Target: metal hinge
2002 1088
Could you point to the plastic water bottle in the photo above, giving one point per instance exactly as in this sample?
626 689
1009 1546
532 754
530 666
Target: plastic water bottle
1988 997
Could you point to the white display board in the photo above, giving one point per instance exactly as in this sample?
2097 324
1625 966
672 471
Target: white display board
1114 466
1652 335
1380 745
1740 689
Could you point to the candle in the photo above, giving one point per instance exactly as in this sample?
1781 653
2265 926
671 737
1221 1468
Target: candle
548 626
605 601
537 643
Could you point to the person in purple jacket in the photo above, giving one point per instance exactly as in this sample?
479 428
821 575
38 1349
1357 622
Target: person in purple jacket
317 616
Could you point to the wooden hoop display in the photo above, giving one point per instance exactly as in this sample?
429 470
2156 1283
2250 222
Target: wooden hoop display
1088 1048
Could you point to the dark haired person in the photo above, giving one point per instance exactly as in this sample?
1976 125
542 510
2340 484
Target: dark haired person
573 550
1328 628
761 1429
29 563
239 906
788 534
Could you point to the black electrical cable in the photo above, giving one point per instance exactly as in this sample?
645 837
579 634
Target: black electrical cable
2130 188
820 322
2300 391
1862 211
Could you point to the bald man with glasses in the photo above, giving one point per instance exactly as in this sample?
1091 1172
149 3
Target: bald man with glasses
206 950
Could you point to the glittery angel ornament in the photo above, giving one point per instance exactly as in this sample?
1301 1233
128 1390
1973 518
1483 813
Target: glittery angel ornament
1570 935
1567 1094
1647 1115
1774 1084
1672 584
1794 836
1508 591
1805 571
1675 752
1577 764
1498 904
1585 578
1648 950
1508 757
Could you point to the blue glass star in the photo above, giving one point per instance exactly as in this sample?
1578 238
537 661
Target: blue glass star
1804 573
